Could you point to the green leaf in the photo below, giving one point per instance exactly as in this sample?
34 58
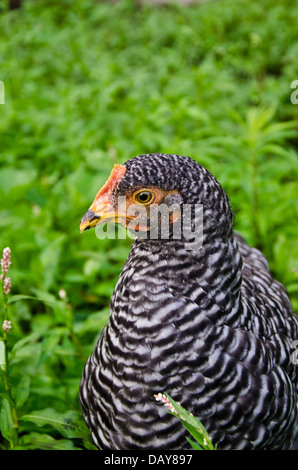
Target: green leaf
2 355
49 258
11 177
17 297
194 445
43 441
22 391
27 348
68 424
6 423
193 425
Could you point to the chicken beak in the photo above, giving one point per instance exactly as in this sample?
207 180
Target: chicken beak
99 212
88 220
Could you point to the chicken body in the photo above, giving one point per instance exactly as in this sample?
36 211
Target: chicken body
209 326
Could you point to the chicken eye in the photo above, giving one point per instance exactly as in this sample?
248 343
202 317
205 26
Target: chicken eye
144 196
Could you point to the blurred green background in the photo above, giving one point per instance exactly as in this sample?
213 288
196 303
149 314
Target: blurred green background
92 83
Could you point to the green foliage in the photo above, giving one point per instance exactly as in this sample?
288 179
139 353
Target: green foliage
89 84
202 440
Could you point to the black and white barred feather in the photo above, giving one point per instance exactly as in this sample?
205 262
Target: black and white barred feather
211 327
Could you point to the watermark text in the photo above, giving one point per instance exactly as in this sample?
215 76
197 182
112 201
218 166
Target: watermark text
2 93
157 221
294 95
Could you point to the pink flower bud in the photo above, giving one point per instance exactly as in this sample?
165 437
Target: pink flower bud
6 325
5 262
164 399
6 252
62 294
7 285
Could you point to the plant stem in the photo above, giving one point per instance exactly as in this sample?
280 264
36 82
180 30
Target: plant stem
73 336
7 383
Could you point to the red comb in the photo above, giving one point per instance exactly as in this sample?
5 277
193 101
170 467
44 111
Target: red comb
117 173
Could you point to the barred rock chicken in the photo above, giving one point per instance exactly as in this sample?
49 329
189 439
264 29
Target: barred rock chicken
207 324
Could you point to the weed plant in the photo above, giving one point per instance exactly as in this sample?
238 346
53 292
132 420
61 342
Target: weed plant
89 84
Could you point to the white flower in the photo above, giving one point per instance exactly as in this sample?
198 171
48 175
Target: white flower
5 261
6 325
7 285
163 399
62 294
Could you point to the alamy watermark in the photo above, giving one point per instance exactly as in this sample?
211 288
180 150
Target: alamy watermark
294 355
2 93
294 95
157 221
